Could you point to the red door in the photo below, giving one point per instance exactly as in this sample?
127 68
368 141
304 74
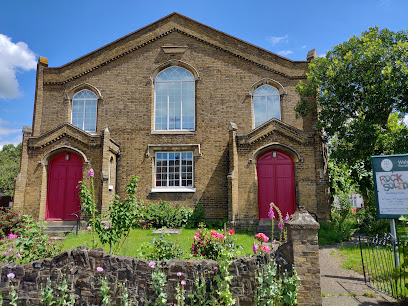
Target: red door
64 173
276 183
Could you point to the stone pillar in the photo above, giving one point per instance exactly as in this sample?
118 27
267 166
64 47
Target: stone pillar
106 193
302 237
21 179
233 174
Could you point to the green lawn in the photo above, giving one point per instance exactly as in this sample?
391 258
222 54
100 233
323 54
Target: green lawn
138 237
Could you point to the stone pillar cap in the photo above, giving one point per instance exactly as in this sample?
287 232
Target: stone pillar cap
302 219
311 55
232 126
43 61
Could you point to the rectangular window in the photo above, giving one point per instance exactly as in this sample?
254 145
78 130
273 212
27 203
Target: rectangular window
174 171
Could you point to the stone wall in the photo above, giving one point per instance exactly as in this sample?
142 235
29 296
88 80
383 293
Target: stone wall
78 267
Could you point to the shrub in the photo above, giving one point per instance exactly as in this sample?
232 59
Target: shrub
163 214
197 217
10 221
164 249
211 244
33 244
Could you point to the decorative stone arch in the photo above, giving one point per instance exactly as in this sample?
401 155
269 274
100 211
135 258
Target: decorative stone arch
83 86
174 62
48 156
277 147
267 81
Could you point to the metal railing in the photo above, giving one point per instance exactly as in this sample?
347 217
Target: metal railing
383 260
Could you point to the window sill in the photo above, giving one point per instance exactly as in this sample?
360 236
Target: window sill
172 189
174 132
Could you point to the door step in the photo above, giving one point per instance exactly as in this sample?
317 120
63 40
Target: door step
60 228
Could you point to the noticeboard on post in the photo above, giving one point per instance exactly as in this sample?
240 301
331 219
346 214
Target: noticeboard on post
391 185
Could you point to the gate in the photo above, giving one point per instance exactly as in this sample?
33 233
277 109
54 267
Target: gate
385 263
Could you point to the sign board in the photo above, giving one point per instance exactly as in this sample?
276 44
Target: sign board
391 185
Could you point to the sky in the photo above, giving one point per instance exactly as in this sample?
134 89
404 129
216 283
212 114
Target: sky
63 31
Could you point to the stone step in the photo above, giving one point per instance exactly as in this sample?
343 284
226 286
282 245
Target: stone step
60 228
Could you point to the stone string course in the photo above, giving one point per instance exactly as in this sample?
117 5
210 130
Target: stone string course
78 267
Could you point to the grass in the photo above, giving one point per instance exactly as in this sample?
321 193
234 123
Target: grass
351 258
139 237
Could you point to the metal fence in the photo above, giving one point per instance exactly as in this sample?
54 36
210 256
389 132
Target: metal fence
384 264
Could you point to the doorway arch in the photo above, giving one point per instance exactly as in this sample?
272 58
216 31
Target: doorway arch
276 183
64 173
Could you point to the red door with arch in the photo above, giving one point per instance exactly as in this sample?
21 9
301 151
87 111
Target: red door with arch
276 183
64 173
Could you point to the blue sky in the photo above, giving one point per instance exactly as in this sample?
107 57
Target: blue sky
65 30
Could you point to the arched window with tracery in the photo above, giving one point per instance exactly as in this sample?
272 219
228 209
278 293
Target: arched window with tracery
174 100
84 108
266 103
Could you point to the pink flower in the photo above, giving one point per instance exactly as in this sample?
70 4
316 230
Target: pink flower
99 269
271 215
196 238
286 217
178 274
183 282
265 248
274 241
231 231
280 225
4 253
255 248
11 275
215 268
88 227
18 255
91 173
106 227
262 237
11 236
152 264
10 250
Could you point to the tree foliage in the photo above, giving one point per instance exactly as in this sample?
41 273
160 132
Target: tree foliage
9 167
361 90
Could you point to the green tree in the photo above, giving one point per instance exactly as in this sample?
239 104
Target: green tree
9 167
361 90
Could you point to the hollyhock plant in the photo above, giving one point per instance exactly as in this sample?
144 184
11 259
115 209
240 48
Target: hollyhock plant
280 225
231 231
91 173
265 248
255 248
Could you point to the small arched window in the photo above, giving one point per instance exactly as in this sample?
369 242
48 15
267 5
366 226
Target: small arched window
174 93
84 105
266 101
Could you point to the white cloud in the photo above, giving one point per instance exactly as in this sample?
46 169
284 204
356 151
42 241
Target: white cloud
277 39
406 120
13 57
322 55
285 52
303 47
9 135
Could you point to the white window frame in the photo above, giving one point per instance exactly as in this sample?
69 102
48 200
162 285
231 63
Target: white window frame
266 104
83 118
173 188
181 104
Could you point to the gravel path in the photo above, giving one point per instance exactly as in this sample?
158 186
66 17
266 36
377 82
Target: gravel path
345 287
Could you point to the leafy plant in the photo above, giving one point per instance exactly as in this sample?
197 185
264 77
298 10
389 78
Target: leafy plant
11 222
275 289
121 216
9 167
163 214
159 282
162 249
197 217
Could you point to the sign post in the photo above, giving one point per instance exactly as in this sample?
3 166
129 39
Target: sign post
391 189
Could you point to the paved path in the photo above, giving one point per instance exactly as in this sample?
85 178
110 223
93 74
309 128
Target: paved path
345 287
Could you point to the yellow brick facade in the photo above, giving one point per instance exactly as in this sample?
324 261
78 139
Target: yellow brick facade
224 141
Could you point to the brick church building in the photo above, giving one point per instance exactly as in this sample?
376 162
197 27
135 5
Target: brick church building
200 116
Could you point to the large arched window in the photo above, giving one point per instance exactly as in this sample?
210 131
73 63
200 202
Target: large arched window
84 105
266 101
174 94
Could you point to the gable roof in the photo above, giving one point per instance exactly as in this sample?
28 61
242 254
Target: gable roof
183 25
